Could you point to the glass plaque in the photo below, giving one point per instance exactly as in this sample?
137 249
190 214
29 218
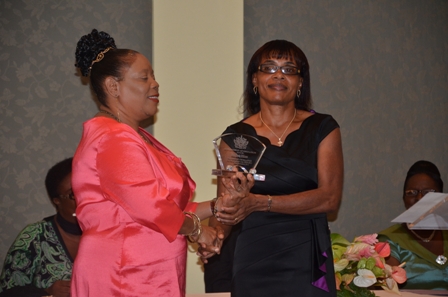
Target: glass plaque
241 151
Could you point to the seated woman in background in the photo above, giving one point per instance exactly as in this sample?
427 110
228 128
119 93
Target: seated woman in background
40 260
424 251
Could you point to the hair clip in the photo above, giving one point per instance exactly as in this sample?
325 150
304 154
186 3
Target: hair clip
100 56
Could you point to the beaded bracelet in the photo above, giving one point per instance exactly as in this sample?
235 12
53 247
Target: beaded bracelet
269 202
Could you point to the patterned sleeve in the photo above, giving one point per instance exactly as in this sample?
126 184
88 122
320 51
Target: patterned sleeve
22 258
35 258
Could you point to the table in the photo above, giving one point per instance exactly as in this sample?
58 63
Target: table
379 293
412 293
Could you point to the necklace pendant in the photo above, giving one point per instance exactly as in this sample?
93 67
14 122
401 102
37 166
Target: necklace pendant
441 260
280 142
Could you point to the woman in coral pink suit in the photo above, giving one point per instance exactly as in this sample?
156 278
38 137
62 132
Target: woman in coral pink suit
133 194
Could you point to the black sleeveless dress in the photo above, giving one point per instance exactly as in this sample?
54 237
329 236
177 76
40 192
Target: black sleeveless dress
279 254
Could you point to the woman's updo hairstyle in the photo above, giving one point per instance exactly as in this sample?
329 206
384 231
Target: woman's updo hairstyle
98 56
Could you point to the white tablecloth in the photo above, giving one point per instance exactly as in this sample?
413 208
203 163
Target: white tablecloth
380 293
412 293
209 295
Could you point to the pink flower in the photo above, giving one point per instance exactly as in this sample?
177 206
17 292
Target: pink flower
369 239
366 255
366 252
379 261
358 250
383 249
338 281
399 274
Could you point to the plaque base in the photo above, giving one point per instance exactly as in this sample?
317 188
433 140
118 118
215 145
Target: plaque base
221 172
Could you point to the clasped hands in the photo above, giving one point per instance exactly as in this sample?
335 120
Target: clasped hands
234 205
231 207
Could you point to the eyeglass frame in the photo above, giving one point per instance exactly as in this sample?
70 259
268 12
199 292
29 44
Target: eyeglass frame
70 195
276 67
423 192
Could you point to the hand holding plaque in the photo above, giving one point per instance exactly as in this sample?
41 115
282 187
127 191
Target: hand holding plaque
240 151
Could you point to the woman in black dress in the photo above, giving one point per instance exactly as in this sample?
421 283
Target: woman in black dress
284 246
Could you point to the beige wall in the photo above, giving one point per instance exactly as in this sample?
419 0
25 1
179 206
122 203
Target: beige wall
198 62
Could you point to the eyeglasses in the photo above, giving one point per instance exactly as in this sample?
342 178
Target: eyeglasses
413 193
70 196
288 70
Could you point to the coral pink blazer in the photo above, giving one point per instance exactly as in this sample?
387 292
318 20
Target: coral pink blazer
131 197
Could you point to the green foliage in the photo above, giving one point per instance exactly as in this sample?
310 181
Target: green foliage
354 291
339 245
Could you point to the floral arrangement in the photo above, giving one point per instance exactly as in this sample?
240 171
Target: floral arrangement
360 264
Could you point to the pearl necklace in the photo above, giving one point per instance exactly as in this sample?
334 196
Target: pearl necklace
280 142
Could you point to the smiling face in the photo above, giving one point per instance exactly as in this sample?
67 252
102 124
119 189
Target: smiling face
420 184
277 88
137 91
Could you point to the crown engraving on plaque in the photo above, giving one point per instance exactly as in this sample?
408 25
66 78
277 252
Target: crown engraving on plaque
240 142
